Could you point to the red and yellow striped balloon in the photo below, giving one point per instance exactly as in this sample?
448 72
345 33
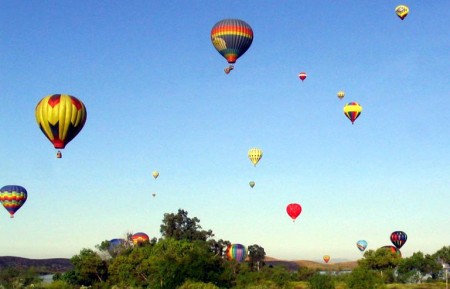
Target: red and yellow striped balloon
60 117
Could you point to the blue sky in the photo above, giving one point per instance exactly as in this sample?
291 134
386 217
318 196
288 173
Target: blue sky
157 99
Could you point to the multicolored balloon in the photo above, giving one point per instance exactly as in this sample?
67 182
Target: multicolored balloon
60 117
402 11
393 250
341 94
294 210
362 245
236 252
352 111
326 258
255 154
12 198
398 238
155 174
139 238
302 75
231 38
252 184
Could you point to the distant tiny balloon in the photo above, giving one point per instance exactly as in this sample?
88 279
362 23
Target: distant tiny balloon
252 184
326 258
155 174
352 111
402 11
341 94
294 210
302 76
362 245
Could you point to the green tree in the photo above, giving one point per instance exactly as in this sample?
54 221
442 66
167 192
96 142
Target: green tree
364 278
197 285
321 281
14 278
443 255
256 255
414 268
382 260
88 269
180 227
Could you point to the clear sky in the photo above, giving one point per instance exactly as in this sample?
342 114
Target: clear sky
157 99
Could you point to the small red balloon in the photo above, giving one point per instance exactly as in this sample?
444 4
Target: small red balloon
302 75
293 210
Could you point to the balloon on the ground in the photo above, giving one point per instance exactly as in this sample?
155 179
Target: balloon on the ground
398 238
255 155
362 245
236 252
326 258
294 210
60 117
12 198
393 249
402 11
352 111
139 238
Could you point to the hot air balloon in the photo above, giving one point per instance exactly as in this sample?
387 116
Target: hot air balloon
139 238
60 117
302 75
341 94
402 11
326 258
293 210
12 198
231 38
154 194
252 184
352 110
115 246
398 238
393 250
236 252
155 174
362 245
255 154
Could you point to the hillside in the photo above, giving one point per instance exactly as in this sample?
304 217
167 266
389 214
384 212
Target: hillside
61 265
43 266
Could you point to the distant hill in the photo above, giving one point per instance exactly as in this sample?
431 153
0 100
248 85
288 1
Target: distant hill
294 265
43 266
56 265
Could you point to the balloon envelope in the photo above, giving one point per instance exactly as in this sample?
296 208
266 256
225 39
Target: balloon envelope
326 258
362 245
302 75
341 94
255 154
115 245
231 38
60 117
393 249
293 210
352 111
12 198
155 174
252 184
236 252
139 238
398 238
402 11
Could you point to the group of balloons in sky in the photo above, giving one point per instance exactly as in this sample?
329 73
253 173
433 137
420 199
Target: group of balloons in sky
233 37
61 116
398 238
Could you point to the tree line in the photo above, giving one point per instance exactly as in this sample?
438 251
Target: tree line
186 256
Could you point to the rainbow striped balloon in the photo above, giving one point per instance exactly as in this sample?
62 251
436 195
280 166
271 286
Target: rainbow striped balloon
231 38
12 198
236 252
